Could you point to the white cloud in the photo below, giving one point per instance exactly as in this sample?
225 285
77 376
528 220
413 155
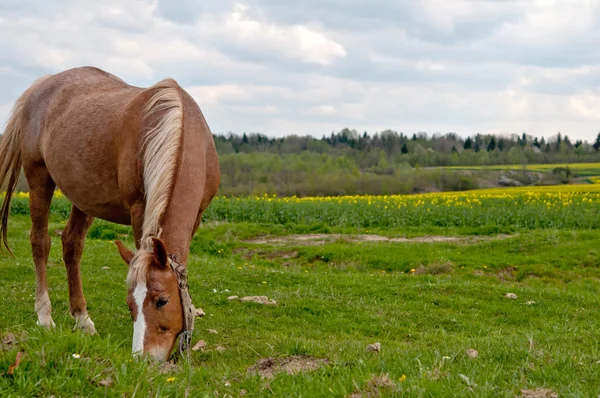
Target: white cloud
301 42
317 66
323 110
551 22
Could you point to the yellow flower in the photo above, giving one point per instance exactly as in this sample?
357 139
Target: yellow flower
171 379
402 378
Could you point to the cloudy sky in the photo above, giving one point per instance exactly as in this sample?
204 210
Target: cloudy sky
316 66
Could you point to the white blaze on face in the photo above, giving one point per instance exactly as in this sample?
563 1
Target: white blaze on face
139 326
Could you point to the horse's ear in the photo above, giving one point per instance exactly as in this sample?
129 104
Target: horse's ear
160 252
125 253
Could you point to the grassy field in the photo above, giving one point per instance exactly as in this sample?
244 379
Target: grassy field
581 169
426 277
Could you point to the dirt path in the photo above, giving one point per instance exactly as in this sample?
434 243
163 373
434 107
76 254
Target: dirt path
322 239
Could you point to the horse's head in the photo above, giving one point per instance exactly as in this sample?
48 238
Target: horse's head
154 300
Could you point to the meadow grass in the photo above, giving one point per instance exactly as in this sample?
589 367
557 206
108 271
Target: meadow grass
426 302
581 169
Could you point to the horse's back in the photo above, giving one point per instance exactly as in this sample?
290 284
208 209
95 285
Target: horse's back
70 102
84 126
74 121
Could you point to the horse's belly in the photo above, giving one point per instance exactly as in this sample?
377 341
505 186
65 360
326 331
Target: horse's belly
89 180
96 204
104 210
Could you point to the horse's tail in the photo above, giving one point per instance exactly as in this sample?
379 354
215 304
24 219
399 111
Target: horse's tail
10 158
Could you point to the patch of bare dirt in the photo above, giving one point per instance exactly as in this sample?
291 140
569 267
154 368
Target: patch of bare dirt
105 382
306 239
259 300
435 269
321 239
167 367
269 367
539 393
9 340
269 255
506 274
376 386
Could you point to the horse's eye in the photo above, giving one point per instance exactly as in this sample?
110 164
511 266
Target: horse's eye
161 302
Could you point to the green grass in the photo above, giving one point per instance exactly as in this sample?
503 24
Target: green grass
333 300
581 169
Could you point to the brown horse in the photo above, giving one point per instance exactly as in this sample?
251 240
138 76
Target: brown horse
128 155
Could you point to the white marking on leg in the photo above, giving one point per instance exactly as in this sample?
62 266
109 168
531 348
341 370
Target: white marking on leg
139 326
43 308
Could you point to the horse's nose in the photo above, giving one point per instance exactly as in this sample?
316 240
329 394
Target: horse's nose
159 353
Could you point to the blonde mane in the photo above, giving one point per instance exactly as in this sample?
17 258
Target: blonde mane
161 148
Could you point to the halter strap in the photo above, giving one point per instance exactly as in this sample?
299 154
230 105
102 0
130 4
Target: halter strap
189 312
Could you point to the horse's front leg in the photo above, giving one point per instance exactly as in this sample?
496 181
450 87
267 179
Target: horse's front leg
72 239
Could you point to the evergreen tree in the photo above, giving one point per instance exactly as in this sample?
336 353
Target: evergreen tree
468 143
492 145
597 143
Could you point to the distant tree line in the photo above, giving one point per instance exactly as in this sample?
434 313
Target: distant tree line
420 149
348 162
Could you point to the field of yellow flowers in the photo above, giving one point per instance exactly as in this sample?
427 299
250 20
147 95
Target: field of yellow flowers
562 206
565 206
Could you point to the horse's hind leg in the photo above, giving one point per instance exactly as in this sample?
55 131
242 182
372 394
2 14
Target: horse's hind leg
41 189
72 239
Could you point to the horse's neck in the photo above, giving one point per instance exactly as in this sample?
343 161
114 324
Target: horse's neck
194 182
177 241
181 217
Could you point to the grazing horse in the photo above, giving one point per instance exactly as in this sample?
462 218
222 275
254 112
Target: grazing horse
128 155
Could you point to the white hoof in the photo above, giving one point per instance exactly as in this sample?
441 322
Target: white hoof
46 322
43 309
84 322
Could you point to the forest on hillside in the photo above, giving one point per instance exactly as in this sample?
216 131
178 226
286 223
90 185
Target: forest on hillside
350 163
